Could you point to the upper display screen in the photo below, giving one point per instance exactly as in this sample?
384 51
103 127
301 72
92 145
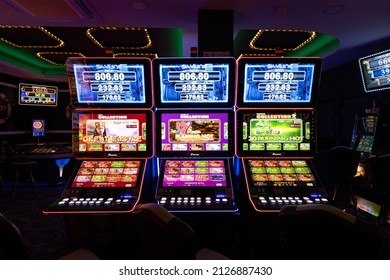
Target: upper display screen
38 95
195 82
112 134
375 71
276 133
194 134
278 81
111 82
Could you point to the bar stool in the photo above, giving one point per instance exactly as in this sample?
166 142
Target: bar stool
26 167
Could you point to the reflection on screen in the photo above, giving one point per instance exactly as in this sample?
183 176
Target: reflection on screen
104 174
194 173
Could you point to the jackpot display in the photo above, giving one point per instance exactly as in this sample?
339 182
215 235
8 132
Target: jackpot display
194 82
116 82
38 95
277 81
287 132
100 133
375 71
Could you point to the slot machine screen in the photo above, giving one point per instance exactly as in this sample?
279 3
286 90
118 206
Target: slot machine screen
115 82
194 134
375 71
194 173
38 95
112 134
194 82
38 128
278 81
276 133
107 174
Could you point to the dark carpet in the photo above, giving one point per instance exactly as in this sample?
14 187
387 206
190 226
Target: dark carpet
43 235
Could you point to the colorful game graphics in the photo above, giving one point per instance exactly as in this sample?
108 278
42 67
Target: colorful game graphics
279 171
199 173
105 174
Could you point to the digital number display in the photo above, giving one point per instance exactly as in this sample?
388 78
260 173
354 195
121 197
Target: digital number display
110 83
182 82
38 95
278 82
375 71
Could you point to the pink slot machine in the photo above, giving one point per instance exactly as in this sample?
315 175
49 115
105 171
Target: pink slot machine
194 100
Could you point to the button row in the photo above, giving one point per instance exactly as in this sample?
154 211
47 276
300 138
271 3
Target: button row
192 200
92 201
290 200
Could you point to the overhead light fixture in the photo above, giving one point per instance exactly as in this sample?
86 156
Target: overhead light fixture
48 56
299 38
256 55
107 39
58 42
150 55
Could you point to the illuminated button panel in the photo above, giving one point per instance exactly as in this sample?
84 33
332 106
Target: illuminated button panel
276 202
94 202
196 202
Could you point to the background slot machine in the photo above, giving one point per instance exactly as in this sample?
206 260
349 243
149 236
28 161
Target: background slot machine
112 126
276 131
194 100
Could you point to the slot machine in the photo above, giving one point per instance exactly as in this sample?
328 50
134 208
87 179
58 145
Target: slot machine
276 131
112 126
194 99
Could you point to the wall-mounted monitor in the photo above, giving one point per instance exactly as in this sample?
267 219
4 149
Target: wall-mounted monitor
38 128
110 82
195 133
38 95
278 81
375 71
194 82
276 133
111 134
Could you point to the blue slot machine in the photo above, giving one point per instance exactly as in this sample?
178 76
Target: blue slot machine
194 99
276 131
112 128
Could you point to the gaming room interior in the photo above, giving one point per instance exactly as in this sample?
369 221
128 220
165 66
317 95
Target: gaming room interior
235 132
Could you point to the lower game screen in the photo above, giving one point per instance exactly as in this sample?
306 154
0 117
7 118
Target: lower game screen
263 171
194 173
107 174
